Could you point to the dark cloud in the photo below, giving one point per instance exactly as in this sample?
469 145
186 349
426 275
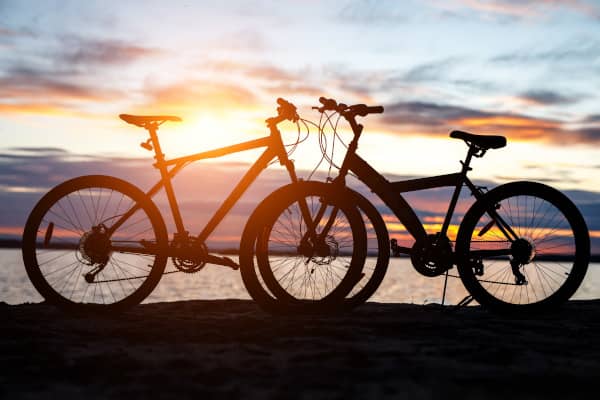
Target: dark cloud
579 50
584 135
546 97
24 85
56 80
96 52
436 119
594 118
427 114
547 180
36 150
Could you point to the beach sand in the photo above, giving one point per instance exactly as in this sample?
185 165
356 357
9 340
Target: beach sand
231 349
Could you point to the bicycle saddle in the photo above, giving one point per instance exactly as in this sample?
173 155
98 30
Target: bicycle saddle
142 120
482 141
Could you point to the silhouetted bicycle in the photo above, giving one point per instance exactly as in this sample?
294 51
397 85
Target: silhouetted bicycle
522 246
100 243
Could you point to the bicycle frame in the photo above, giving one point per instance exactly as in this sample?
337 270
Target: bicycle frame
390 192
169 168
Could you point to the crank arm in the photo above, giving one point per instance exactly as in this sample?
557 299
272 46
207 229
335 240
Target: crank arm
217 260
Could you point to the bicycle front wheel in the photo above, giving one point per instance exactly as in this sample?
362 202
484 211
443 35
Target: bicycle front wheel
77 260
522 247
308 245
378 253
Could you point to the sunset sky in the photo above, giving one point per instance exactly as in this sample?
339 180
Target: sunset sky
529 70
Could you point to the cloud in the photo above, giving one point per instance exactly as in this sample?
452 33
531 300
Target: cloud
585 135
28 85
422 118
423 113
545 97
529 9
581 49
98 52
53 82
594 118
437 119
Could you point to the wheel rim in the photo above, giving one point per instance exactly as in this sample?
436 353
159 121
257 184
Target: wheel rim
73 253
544 251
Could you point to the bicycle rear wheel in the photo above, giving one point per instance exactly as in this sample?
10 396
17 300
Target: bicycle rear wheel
76 262
541 266
285 269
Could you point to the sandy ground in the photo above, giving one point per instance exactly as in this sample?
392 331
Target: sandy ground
230 349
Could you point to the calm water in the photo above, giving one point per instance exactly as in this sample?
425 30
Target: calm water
402 284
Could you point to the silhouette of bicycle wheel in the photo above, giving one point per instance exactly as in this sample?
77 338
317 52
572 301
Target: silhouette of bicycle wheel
539 268
294 267
378 254
76 260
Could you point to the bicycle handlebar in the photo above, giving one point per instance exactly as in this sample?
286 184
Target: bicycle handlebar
347 111
286 110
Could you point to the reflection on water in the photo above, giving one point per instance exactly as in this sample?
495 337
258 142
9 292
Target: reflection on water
402 284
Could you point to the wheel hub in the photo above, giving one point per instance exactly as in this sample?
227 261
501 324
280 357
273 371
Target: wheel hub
94 246
324 252
523 250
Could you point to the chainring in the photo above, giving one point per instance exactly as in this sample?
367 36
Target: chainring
195 253
432 256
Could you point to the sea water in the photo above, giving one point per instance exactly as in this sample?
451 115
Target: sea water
402 284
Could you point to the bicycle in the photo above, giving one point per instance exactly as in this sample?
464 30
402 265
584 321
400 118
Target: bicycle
522 246
100 243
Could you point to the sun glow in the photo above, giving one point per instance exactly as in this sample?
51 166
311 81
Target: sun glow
207 132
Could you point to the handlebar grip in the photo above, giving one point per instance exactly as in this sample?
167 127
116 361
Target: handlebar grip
363 110
287 110
375 110
282 102
328 104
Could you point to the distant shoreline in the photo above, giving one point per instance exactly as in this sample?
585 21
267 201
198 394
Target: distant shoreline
16 244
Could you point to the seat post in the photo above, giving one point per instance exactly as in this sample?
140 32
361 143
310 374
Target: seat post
463 173
466 165
165 178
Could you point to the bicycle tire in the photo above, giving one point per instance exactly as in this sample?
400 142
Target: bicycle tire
378 246
255 251
558 254
63 242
